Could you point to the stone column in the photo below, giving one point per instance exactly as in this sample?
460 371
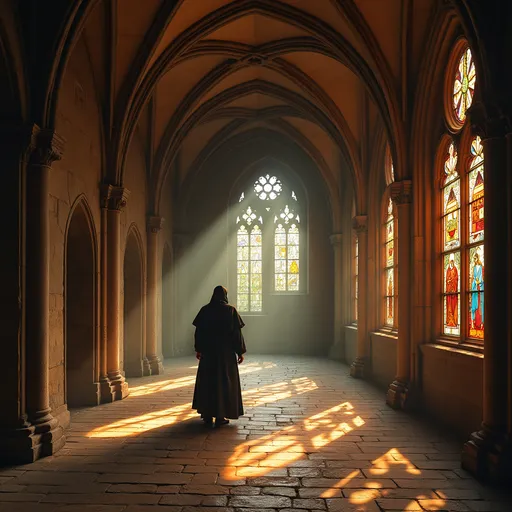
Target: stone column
337 348
509 316
25 149
47 147
488 453
401 194
360 224
154 226
116 202
105 390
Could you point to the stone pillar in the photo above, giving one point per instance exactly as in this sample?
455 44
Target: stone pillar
488 453
27 154
154 226
401 194
117 198
47 147
360 224
337 347
509 316
105 389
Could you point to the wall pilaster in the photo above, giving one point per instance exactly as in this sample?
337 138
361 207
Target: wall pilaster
401 194
117 197
152 319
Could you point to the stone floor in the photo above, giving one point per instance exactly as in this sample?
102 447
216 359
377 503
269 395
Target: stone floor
312 439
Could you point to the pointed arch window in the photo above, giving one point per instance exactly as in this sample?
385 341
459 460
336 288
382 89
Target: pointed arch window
355 283
249 261
390 265
287 251
462 211
269 243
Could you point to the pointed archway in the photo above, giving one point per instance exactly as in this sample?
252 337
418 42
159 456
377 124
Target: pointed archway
133 294
167 304
80 311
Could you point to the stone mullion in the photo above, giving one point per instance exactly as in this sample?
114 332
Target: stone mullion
488 453
360 224
155 362
401 194
116 202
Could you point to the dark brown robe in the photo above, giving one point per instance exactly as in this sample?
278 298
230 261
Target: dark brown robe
219 339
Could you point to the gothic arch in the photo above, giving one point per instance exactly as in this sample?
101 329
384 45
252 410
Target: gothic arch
133 304
80 307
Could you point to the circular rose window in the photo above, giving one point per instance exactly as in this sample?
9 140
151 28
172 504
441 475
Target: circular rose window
463 86
268 187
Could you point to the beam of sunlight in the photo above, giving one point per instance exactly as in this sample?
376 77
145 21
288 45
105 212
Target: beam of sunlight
282 448
140 424
270 393
393 458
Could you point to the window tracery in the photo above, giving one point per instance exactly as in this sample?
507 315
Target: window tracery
268 199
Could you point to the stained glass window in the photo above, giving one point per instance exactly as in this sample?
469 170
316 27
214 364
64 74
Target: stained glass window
249 263
356 277
451 241
476 192
267 200
462 218
390 266
475 179
287 251
464 85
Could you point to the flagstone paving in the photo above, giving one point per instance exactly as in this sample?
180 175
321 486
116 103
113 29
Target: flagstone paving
312 439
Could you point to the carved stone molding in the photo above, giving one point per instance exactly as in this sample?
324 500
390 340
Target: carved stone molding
112 197
401 192
336 239
360 223
155 224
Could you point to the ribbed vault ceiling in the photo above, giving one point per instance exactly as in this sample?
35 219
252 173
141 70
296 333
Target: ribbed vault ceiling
189 75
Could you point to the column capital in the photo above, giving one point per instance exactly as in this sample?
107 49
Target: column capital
401 192
113 197
489 121
45 147
155 223
360 223
336 239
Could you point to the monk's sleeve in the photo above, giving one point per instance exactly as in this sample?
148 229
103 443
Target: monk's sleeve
200 334
238 337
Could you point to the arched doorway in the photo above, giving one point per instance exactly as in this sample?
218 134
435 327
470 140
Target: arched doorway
167 312
80 289
133 332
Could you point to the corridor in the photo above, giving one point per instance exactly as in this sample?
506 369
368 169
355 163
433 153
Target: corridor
312 439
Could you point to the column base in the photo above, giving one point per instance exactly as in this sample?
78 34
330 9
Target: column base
156 365
118 386
134 368
27 444
488 457
146 367
357 368
396 396
105 391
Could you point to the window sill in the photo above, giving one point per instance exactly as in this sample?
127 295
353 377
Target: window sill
388 332
465 348
287 294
